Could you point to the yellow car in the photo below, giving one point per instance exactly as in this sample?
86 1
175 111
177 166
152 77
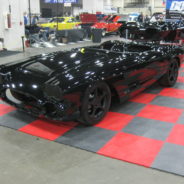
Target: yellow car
63 23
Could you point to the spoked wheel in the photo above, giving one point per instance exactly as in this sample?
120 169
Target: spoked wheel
170 78
95 104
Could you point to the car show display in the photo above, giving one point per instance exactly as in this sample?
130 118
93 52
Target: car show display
104 76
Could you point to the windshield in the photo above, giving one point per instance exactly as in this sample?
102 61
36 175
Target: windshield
133 19
105 19
157 17
111 18
57 19
123 18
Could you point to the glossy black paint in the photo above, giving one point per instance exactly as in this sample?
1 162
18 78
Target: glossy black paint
156 31
52 85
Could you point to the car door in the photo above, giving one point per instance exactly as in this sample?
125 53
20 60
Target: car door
71 23
74 22
112 27
52 24
140 70
61 23
149 68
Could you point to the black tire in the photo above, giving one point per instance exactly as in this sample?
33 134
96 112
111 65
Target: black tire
170 77
95 103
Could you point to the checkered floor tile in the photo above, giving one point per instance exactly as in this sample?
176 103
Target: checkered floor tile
147 130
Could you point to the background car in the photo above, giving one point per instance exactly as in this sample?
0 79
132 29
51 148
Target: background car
63 23
108 25
158 16
154 31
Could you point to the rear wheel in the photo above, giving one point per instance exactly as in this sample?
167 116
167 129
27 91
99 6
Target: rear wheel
95 104
170 77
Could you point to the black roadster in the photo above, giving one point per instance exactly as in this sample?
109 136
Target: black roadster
79 84
153 31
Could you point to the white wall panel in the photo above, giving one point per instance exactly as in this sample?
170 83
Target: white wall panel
12 36
92 6
156 6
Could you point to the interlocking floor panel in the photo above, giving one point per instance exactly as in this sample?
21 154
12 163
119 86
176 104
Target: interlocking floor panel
147 130
132 148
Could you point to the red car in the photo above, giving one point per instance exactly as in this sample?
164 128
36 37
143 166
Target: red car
108 24
88 19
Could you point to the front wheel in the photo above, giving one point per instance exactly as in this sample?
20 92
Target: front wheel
95 104
171 76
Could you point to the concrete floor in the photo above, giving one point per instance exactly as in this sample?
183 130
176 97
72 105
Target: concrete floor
30 160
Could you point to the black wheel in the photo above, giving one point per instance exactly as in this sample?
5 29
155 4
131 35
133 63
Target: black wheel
170 77
95 104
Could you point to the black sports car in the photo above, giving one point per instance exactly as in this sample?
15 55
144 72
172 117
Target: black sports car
79 84
153 31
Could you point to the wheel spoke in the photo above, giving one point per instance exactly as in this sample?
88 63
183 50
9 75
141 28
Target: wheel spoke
102 96
96 93
93 95
94 112
99 111
171 78
173 72
90 108
101 108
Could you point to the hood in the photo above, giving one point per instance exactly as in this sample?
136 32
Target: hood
59 68
58 62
